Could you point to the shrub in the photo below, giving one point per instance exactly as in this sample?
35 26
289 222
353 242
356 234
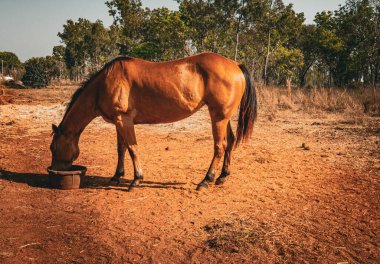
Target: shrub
40 71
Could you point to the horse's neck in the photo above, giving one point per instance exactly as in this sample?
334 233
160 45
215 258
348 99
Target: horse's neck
81 113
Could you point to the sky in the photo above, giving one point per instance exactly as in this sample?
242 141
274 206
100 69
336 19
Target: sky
29 28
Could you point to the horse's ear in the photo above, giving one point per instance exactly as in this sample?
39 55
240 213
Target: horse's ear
55 129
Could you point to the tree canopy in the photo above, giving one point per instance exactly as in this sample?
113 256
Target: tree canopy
342 47
40 71
267 35
11 65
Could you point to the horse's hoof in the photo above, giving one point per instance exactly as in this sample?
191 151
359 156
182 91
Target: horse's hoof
220 180
132 187
135 183
202 186
115 180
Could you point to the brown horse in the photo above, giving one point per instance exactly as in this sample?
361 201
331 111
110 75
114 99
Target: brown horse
130 91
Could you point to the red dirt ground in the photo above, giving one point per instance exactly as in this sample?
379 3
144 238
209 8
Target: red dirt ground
283 202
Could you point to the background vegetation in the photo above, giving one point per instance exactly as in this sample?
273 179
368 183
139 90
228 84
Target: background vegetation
341 49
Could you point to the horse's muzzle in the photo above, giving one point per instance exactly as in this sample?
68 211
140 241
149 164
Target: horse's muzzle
60 166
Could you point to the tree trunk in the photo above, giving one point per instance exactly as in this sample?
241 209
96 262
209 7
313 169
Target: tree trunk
237 41
330 77
303 74
253 68
267 59
289 87
237 34
374 73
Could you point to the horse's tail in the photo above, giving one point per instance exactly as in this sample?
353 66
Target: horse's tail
248 109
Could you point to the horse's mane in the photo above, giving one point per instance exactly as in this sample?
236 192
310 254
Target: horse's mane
84 84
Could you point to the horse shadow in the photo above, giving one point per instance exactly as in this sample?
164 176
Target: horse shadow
39 180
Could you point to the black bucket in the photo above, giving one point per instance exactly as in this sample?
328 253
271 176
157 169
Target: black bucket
68 179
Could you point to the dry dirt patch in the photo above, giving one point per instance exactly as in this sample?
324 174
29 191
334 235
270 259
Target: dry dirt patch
283 202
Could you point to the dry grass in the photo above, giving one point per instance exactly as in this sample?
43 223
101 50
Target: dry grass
353 102
265 242
357 102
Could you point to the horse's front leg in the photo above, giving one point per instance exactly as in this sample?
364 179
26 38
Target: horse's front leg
121 149
126 130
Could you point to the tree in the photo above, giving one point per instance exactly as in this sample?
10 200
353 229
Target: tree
164 37
99 46
156 34
329 43
40 71
343 47
284 28
11 65
210 24
267 25
129 16
73 36
307 44
59 57
286 64
358 24
348 43
88 45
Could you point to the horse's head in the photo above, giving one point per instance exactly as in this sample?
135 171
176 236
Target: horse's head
64 149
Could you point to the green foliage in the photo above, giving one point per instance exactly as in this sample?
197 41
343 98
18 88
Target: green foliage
59 57
307 44
10 59
328 41
342 47
59 52
130 17
287 62
210 24
40 71
358 24
164 37
75 52
348 42
88 45
266 26
11 64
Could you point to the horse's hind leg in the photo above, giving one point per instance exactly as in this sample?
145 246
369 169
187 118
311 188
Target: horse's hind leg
227 156
121 149
126 129
219 129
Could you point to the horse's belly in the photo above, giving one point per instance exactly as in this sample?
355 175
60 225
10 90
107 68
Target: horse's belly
156 114
168 101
